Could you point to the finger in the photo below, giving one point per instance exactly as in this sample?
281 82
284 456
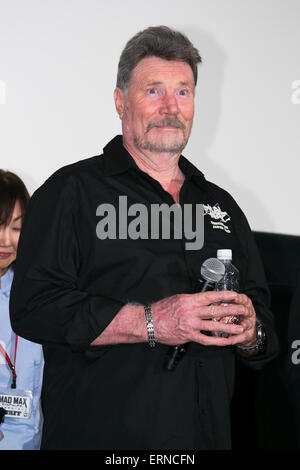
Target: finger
247 303
243 299
243 338
219 327
211 340
229 319
223 310
210 297
247 335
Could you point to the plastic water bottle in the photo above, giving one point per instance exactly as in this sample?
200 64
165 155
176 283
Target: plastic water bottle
230 281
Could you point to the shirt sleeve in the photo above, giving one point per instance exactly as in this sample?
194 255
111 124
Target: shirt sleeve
46 303
256 288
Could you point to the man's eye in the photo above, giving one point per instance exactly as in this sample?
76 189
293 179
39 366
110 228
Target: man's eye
152 91
183 92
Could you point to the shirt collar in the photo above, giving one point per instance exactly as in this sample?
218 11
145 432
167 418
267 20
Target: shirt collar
117 160
6 281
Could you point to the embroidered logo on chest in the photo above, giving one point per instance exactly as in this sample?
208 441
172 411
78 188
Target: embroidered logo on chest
219 218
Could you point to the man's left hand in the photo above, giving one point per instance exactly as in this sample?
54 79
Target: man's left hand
248 322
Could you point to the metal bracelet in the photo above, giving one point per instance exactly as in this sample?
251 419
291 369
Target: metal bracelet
150 327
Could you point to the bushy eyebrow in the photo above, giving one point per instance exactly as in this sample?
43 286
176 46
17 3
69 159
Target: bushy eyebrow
161 83
186 84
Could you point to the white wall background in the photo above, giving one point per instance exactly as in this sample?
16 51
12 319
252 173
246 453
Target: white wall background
58 63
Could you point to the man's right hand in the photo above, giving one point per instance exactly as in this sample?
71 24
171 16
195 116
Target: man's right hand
183 318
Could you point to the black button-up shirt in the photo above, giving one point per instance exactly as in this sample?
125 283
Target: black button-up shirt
69 284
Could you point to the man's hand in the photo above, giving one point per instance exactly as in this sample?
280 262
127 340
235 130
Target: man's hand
248 322
186 317
183 318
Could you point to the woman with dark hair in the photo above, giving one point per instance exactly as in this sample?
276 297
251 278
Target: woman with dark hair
21 361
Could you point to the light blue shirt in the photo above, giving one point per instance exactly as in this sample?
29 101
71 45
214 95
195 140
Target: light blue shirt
19 434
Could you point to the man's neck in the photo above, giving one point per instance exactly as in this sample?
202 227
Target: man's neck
163 167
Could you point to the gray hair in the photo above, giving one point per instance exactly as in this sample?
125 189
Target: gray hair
157 41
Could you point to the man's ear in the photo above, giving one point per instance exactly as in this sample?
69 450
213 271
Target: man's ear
119 101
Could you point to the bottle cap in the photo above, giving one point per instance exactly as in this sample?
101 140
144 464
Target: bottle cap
224 254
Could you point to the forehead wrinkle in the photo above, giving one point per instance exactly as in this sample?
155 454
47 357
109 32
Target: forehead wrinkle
154 66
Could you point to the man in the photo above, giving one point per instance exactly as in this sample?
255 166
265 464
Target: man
108 306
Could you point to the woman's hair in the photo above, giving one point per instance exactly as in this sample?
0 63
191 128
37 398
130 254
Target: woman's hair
12 189
158 41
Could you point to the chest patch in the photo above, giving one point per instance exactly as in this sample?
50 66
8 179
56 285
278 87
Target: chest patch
219 218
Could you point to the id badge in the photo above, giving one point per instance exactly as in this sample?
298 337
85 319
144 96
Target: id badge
16 402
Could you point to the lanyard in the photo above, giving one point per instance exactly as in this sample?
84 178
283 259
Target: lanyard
9 363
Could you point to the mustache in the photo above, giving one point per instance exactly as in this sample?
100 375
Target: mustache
173 122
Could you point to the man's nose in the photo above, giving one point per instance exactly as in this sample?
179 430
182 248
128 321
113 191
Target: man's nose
169 104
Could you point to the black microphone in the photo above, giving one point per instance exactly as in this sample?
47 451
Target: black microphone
212 270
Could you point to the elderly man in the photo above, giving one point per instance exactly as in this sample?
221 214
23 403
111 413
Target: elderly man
108 303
